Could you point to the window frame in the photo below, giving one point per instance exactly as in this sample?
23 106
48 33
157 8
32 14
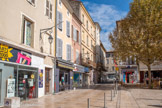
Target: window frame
24 35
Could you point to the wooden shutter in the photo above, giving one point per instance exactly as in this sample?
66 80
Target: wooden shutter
72 54
68 52
72 31
67 28
59 16
50 14
59 48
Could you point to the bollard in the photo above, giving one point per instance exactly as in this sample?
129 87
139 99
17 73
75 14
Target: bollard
104 100
114 91
111 95
88 103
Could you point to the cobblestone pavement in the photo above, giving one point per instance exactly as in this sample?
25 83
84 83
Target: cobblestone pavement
125 98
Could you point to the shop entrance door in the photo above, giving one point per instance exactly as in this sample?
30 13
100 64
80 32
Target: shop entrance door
47 81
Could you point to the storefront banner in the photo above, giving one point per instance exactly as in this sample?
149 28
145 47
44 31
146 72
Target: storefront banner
14 55
10 88
40 78
78 68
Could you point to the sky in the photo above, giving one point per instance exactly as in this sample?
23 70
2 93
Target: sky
106 13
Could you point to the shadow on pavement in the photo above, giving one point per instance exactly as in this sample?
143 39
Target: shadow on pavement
158 106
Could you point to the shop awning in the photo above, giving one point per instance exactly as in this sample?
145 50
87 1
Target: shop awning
64 64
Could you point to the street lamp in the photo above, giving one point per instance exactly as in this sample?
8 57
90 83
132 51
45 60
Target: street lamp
48 31
50 39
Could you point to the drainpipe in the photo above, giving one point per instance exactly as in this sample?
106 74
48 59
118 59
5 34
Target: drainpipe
55 44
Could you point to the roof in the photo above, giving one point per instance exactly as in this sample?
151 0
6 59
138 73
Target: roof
96 23
68 6
102 46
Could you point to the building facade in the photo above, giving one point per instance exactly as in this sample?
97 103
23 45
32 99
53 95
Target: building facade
27 48
88 40
97 73
64 68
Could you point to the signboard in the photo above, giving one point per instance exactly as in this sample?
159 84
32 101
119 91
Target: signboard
10 88
40 78
14 55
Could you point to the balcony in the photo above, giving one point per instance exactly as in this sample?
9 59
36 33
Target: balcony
88 63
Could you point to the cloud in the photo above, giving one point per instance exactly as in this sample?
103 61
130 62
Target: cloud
106 16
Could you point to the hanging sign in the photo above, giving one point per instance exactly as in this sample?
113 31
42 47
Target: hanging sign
10 88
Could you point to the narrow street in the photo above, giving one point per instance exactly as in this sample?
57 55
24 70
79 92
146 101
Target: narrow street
125 98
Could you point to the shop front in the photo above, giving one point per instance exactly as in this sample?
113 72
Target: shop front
78 75
18 76
86 79
63 75
129 75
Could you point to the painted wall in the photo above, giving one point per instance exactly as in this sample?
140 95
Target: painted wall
62 34
11 21
76 46
39 63
88 33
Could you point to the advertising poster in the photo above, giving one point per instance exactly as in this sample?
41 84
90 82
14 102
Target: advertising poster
10 88
40 78
14 55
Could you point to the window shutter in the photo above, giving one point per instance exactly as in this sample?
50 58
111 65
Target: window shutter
69 52
72 31
72 54
67 28
61 42
57 53
60 21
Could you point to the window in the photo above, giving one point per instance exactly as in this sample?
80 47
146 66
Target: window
68 28
59 20
59 47
91 29
82 35
68 13
113 68
91 45
83 19
76 35
107 61
60 2
87 25
72 54
31 2
82 51
68 52
87 41
77 57
27 32
48 9
91 57
107 55
112 61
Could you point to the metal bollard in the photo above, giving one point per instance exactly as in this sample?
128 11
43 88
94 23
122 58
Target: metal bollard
104 100
111 95
88 103
114 91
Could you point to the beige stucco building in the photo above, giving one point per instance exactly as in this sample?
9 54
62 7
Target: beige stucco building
26 53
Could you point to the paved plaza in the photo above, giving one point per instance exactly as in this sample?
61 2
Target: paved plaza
125 98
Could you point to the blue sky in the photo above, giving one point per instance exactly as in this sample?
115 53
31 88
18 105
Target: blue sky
107 12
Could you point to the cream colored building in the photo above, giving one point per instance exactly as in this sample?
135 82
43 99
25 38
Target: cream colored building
88 39
25 49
